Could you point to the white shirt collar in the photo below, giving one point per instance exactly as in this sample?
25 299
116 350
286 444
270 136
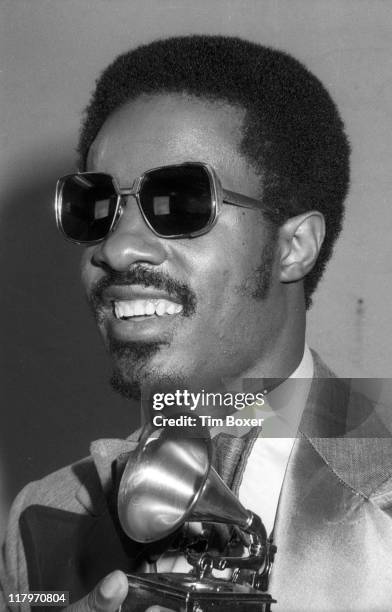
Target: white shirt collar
306 366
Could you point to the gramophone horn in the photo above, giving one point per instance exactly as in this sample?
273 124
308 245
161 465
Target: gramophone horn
171 482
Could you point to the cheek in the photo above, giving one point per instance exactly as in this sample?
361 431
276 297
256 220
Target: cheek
236 309
222 306
225 258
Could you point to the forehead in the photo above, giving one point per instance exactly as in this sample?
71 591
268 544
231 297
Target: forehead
164 129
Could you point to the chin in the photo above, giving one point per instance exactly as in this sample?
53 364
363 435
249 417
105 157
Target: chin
140 379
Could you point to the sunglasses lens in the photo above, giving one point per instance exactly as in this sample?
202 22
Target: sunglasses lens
177 200
88 205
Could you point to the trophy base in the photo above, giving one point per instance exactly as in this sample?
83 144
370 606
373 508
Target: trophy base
184 593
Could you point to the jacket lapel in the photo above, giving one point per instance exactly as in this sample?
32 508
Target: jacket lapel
333 540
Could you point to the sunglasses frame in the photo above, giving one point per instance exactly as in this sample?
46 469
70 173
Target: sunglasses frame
219 196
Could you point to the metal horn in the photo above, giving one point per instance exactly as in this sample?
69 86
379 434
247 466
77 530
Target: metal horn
170 481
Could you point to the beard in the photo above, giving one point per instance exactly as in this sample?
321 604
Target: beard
132 373
131 366
134 377
258 284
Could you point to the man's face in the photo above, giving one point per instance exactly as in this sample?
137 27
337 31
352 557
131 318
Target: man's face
221 305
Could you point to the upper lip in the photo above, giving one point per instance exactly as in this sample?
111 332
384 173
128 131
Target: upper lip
135 292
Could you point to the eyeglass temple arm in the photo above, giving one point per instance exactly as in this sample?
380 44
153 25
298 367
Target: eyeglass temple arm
237 199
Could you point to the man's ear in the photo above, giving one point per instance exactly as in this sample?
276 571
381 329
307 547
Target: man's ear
300 240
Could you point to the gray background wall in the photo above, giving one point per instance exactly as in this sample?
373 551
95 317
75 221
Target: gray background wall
54 391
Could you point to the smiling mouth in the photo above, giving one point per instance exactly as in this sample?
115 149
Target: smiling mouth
133 309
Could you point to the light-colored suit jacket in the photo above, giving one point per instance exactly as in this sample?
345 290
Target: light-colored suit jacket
333 527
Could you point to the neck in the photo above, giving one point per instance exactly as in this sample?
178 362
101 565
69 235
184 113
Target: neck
283 354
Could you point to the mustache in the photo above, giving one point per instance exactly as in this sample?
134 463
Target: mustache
145 277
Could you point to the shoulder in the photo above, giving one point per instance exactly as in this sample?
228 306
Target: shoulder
62 489
74 488
349 422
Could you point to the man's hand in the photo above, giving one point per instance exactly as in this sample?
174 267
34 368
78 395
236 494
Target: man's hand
108 596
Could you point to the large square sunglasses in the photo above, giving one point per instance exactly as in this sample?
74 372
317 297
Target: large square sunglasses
176 201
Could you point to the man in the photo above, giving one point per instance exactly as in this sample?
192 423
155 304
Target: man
199 275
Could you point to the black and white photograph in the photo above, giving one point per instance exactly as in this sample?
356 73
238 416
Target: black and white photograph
196 264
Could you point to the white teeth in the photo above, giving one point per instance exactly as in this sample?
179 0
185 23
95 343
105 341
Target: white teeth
150 308
138 308
160 309
129 310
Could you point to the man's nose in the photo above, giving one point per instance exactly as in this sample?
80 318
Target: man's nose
132 241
